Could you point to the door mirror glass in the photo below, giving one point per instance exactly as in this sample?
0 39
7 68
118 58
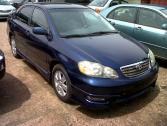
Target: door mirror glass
40 31
164 26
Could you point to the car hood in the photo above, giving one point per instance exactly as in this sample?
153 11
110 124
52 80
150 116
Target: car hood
112 50
6 7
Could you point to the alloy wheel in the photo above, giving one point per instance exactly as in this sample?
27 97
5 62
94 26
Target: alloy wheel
60 82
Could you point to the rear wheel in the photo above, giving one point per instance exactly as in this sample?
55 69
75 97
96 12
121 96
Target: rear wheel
61 83
14 47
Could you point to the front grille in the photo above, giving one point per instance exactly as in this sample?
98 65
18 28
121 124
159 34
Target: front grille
135 69
5 11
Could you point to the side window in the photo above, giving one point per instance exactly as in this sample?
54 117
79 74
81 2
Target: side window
124 14
24 15
111 15
151 19
39 19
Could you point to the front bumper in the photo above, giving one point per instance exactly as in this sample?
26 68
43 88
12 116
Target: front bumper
4 15
100 93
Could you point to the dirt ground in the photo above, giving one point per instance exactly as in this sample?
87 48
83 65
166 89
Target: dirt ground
26 99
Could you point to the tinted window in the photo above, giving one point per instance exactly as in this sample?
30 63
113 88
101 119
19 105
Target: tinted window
116 2
111 15
24 14
4 2
39 19
125 14
79 21
151 19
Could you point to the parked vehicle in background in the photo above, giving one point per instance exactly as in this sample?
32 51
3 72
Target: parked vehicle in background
85 58
82 2
18 3
146 23
5 9
100 5
2 64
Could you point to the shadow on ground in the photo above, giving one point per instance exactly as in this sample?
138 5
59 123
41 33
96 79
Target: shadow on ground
118 110
3 20
13 93
162 63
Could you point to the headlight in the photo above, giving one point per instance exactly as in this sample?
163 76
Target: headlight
96 70
152 58
1 57
12 11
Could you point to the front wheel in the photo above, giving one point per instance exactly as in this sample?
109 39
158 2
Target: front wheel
61 83
13 47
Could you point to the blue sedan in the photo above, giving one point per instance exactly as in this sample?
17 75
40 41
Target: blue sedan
81 54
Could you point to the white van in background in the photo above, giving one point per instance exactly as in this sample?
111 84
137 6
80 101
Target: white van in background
99 5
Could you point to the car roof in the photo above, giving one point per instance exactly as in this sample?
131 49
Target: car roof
56 5
150 6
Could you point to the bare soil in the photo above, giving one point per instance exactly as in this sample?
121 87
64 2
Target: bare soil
26 99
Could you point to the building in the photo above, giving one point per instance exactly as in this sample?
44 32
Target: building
161 2
134 1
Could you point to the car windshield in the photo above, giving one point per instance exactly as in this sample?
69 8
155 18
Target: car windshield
18 1
164 11
69 22
98 3
4 2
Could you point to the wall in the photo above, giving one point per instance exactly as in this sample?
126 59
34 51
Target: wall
161 2
134 1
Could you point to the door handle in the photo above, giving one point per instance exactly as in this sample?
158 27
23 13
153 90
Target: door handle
138 28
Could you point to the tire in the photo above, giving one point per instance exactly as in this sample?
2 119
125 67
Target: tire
13 47
61 83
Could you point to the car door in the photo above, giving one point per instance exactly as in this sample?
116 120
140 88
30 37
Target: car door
38 44
21 24
123 18
148 30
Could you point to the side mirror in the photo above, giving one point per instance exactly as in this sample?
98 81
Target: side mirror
40 31
164 26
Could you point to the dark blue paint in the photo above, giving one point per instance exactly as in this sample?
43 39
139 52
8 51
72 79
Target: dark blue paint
113 50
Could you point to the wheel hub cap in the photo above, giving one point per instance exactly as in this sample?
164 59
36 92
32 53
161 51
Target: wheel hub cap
60 83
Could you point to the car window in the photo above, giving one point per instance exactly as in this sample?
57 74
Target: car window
124 14
24 15
116 2
39 19
151 19
78 21
98 3
111 15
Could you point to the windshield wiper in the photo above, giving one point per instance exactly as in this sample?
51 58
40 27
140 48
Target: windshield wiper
73 35
102 32
89 34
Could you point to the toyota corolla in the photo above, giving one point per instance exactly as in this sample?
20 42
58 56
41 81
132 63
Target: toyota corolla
82 55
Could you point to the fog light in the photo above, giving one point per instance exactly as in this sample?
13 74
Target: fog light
96 99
